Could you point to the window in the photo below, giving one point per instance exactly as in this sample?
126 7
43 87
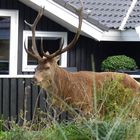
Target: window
4 44
8 42
51 42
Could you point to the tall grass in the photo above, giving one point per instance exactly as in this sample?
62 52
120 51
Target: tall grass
78 130
116 117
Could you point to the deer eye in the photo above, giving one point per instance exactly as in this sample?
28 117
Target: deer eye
46 67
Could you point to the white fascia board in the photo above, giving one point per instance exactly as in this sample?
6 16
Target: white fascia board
116 35
64 17
137 28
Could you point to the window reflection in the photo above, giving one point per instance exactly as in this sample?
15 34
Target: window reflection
4 44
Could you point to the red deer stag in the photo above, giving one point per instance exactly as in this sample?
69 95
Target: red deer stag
76 88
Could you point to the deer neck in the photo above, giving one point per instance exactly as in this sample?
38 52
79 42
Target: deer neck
61 77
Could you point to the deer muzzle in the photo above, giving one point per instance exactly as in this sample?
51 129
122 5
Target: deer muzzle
34 81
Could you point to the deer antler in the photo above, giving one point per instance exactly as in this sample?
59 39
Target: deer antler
33 28
61 50
73 42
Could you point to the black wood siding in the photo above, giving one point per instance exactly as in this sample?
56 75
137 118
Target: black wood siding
12 96
18 95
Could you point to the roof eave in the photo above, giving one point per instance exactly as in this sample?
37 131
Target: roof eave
125 35
66 18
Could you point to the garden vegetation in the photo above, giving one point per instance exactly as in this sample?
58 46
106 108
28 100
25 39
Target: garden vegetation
116 117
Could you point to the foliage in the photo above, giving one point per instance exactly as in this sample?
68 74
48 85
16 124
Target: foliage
78 130
116 119
118 62
113 98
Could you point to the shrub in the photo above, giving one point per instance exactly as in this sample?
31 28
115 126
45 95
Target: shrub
118 62
115 100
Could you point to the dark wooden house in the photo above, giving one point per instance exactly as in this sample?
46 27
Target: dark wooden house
108 29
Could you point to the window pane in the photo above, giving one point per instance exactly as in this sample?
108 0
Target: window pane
4 44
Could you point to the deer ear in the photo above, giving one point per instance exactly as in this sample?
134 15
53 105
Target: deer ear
57 58
47 54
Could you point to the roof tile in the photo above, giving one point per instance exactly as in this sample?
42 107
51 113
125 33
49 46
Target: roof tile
107 12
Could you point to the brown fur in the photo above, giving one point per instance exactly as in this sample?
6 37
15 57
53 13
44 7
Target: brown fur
76 88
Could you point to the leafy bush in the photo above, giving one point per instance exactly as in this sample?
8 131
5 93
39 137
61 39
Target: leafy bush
115 100
118 62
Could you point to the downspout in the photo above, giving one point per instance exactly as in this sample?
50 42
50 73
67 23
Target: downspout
127 14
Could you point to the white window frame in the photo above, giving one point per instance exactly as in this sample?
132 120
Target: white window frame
26 34
13 48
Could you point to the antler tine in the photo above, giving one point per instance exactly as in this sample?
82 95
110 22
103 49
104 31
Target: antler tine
33 55
73 42
33 28
76 37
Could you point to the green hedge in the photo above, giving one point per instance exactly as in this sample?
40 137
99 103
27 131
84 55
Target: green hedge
118 62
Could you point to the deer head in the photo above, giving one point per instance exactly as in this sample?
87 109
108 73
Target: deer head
48 62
